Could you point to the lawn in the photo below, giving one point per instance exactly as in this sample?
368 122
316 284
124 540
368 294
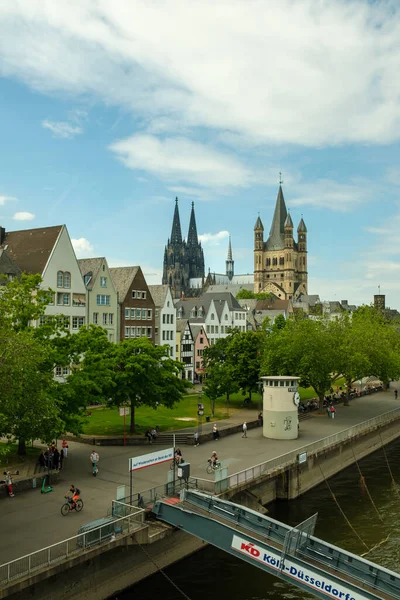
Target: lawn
106 421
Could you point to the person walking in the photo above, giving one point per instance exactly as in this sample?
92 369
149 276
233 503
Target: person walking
94 459
333 411
328 410
9 484
395 394
215 432
61 458
196 438
65 447
244 428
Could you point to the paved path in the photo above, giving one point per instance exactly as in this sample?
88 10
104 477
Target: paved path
31 521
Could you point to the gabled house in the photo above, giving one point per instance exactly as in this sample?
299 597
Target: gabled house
165 318
49 252
187 352
200 342
102 299
136 305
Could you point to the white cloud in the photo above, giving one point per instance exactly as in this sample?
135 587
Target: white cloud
83 248
213 239
310 73
23 216
332 195
179 159
4 199
62 129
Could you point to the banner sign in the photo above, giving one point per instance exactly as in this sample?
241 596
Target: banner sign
317 581
148 460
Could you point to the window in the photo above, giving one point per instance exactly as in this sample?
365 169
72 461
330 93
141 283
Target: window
105 318
65 371
212 328
138 314
208 328
111 318
63 299
103 300
172 319
127 331
66 322
42 320
127 313
144 313
222 329
58 371
281 260
236 315
156 314
87 278
197 365
163 318
133 331
133 293
149 313
216 329
226 317
143 331
78 322
156 330
149 335
103 282
163 335
78 299
67 279
60 279
138 331
96 318
168 304
274 261
186 347
144 295
212 316
201 340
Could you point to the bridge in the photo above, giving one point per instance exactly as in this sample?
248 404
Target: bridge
291 553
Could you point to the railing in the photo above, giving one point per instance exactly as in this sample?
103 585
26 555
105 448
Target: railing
290 458
55 554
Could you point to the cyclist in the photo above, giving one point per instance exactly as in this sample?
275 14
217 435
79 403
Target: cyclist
214 459
94 459
178 456
73 494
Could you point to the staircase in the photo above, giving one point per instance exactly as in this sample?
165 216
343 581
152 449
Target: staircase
167 439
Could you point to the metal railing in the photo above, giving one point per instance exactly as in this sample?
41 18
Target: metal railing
55 554
290 458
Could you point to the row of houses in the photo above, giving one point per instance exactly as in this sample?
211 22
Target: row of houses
88 291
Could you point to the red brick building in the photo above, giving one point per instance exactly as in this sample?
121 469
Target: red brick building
136 305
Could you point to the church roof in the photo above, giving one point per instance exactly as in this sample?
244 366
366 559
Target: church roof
192 239
229 249
258 224
122 278
288 221
276 240
302 227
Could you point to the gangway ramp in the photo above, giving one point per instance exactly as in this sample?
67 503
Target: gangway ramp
291 553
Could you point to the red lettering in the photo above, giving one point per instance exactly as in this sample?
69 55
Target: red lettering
250 549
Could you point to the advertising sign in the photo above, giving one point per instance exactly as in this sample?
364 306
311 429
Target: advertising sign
316 581
148 460
124 411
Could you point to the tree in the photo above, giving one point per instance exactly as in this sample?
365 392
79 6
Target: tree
249 295
28 409
22 301
219 379
244 357
303 348
134 373
279 322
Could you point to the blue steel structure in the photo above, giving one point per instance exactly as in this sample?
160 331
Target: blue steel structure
293 554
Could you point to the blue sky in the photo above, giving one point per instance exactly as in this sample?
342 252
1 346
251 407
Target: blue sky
110 110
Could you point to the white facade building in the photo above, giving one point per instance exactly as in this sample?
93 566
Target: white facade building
165 317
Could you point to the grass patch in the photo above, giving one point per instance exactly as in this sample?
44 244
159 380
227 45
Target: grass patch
106 421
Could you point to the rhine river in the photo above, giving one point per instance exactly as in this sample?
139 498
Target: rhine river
212 573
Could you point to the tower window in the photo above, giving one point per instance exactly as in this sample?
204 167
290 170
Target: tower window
274 261
281 260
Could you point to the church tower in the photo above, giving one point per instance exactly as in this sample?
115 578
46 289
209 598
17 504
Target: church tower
280 263
230 263
183 260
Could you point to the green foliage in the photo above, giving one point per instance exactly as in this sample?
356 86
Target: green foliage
249 295
22 301
220 377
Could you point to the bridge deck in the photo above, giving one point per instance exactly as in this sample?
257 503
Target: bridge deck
291 553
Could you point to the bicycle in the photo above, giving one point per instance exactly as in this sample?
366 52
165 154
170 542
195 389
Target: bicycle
69 506
213 466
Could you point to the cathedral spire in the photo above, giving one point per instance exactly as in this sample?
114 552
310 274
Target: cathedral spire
277 231
230 262
176 233
192 239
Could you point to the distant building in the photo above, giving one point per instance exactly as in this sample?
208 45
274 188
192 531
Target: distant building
183 259
136 305
102 298
280 262
165 318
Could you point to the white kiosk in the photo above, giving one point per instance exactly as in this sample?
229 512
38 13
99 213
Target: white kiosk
280 402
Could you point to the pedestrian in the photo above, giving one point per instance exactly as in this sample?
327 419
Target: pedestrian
148 435
215 432
196 438
94 459
244 428
9 484
333 410
42 460
61 458
395 394
260 419
56 458
328 410
65 447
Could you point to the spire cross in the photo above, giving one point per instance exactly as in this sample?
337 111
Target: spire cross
379 289
280 178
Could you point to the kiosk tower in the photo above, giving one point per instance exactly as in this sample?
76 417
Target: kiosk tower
280 402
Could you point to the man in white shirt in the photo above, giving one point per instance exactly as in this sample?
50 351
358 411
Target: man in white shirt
94 459
244 434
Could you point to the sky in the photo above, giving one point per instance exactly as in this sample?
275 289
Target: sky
108 110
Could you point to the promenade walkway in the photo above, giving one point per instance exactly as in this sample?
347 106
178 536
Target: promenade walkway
31 521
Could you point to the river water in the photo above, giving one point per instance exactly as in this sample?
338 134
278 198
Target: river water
214 574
